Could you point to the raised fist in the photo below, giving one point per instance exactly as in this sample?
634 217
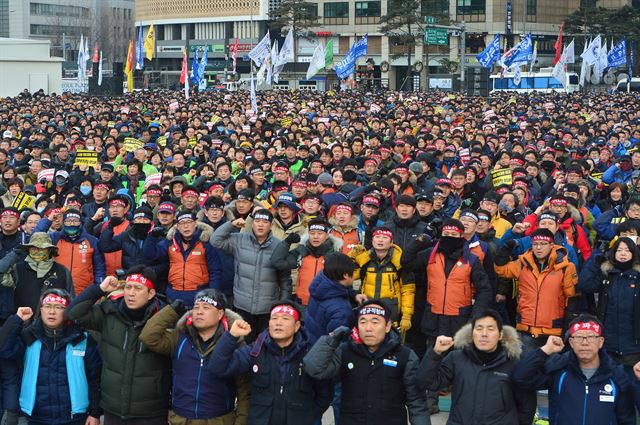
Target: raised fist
240 328
109 284
443 344
554 345
24 313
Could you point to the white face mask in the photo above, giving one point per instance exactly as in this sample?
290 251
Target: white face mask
91 148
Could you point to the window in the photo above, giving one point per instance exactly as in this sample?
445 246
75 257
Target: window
587 3
367 12
437 8
532 10
57 30
59 10
471 10
336 13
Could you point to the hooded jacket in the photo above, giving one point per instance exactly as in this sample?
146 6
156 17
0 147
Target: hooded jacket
618 303
282 393
405 230
378 387
482 393
195 395
605 398
126 243
349 233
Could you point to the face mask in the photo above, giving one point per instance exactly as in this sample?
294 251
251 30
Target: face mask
91 148
71 231
220 129
40 210
447 118
140 230
449 244
60 181
625 165
40 255
85 190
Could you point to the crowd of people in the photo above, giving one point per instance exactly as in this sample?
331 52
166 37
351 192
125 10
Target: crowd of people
205 262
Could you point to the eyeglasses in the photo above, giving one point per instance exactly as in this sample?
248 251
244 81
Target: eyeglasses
589 338
53 307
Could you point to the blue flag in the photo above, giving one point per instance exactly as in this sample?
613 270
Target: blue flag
631 61
361 47
618 55
490 54
344 68
522 52
140 50
195 78
203 64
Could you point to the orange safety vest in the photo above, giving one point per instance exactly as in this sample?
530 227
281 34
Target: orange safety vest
113 260
77 257
189 274
349 239
309 268
449 295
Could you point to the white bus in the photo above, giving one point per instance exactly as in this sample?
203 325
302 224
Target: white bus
541 81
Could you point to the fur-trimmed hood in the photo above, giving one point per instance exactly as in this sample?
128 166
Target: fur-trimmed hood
510 340
337 242
206 232
575 214
232 316
607 267
351 225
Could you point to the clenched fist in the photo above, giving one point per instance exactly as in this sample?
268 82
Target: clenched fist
109 284
24 313
554 345
443 343
240 328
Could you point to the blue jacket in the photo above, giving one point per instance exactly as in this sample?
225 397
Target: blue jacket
329 307
605 224
524 244
223 265
616 175
605 398
130 246
8 257
52 398
618 303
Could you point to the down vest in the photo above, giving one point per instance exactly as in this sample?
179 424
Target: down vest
257 284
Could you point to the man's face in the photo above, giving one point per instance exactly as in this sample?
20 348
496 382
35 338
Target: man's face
490 206
559 210
205 316
381 242
116 210
261 228
633 211
52 315
369 210
548 224
9 224
373 329
470 226
424 208
282 327
486 335
136 295
311 206
243 206
166 218
285 213
459 181
214 214
31 223
483 226
405 211
541 249
585 345
343 217
317 237
187 228
190 202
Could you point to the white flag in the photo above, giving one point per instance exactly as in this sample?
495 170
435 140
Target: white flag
286 53
569 52
86 56
80 58
601 62
534 56
559 70
590 56
254 101
275 74
584 68
100 70
261 74
186 85
518 75
261 51
317 61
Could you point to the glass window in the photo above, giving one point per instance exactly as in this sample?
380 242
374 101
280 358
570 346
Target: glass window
471 10
367 12
336 13
437 8
532 10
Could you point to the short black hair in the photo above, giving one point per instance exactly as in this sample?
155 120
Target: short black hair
289 303
582 319
144 271
489 312
337 264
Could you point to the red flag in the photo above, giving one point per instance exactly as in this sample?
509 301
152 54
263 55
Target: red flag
235 55
558 45
96 55
185 70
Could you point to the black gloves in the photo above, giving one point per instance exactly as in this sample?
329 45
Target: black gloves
158 232
510 245
292 238
340 334
179 307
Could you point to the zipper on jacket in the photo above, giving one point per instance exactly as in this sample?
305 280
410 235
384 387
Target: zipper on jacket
584 408
535 314
446 281
126 336
198 387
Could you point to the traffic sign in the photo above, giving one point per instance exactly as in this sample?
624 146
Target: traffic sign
436 36
431 20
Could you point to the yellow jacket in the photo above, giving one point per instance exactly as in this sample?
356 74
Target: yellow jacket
385 279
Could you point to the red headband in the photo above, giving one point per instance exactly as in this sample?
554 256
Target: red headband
542 239
298 183
281 170
10 213
561 202
117 202
453 229
371 161
285 309
586 326
52 298
154 192
382 232
138 278
216 186
189 192
401 170
101 185
343 207
371 200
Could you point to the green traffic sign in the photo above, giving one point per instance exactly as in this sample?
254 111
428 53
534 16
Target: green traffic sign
436 36
430 20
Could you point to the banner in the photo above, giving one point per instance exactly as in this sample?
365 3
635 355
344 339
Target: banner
618 55
508 23
590 55
361 47
153 179
88 158
131 144
491 54
261 51
47 174
150 43
522 52
162 141
23 201
317 62
501 176
344 68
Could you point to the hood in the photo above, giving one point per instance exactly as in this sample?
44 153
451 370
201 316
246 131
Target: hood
205 231
391 342
409 222
607 268
351 225
332 244
322 288
232 316
575 214
395 254
510 340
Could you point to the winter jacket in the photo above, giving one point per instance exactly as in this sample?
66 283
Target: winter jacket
572 228
281 391
618 303
53 397
524 245
481 393
222 270
189 268
377 388
350 235
386 279
605 398
616 175
449 289
112 260
29 288
80 255
542 294
606 224
257 284
298 225
135 380
405 230
329 307
9 255
125 243
306 259
195 393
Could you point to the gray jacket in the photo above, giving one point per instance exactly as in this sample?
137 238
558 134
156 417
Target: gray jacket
257 285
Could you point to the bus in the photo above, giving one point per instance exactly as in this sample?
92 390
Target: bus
541 81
